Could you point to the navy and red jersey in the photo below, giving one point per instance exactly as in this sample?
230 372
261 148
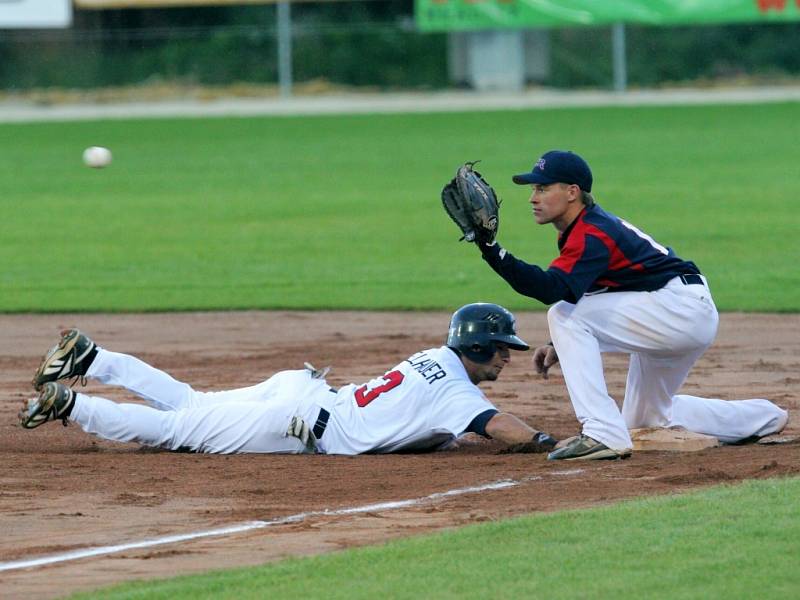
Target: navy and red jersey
599 253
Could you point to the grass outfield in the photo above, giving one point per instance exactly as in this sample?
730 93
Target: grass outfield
344 211
725 542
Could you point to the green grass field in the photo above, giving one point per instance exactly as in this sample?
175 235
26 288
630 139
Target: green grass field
726 542
344 211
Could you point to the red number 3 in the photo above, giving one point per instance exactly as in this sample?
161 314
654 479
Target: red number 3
364 395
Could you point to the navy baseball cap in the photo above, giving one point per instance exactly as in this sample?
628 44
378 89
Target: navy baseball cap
558 166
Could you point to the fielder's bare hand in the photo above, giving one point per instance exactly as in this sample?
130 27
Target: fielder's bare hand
544 357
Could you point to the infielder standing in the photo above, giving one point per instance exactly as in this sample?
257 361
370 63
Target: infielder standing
616 289
423 403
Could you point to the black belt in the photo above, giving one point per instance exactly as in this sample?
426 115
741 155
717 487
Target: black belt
692 279
322 423
322 420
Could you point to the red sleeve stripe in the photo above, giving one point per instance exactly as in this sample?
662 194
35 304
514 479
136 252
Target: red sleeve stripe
607 283
573 250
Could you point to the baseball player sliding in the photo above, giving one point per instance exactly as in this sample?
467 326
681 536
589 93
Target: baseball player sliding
615 289
423 403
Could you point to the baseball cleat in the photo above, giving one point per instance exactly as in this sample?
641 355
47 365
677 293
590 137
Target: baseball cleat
582 447
55 401
71 357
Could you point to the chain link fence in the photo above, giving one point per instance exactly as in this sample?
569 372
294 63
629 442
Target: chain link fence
371 45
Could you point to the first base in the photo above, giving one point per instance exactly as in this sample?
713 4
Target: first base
673 439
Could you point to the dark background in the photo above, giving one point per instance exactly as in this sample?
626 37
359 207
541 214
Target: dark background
373 44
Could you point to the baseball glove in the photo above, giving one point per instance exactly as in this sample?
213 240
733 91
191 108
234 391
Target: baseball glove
472 204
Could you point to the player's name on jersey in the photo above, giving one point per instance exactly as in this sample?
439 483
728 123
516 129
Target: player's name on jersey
426 366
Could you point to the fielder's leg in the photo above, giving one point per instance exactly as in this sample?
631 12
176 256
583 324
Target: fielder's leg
670 327
579 353
729 421
652 383
683 323
656 374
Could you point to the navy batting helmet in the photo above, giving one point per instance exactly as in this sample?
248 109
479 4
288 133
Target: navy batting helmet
475 328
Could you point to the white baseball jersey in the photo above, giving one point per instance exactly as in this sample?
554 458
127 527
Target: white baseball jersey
422 402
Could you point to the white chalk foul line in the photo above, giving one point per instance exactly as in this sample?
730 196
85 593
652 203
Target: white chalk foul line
252 525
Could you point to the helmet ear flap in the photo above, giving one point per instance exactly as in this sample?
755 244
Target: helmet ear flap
481 353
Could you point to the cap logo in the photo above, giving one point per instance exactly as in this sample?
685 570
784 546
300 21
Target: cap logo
540 164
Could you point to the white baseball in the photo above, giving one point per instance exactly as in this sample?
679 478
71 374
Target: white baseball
97 157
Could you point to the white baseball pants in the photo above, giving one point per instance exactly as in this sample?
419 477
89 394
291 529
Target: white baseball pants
251 419
664 332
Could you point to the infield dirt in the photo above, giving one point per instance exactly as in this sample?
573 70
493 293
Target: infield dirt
62 490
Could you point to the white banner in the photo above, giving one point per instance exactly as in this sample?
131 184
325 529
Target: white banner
35 14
